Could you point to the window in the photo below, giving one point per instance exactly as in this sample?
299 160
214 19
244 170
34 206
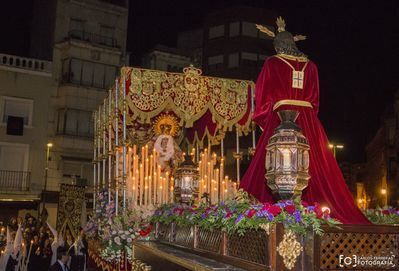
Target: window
76 24
249 59
14 157
75 122
249 29
234 29
76 28
16 107
216 31
233 60
77 169
88 73
213 60
106 35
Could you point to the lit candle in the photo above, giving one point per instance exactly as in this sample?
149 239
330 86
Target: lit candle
150 177
159 183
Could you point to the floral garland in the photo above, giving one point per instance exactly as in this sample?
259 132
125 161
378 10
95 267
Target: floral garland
384 216
243 214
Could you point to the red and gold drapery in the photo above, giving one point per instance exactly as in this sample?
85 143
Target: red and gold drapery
206 106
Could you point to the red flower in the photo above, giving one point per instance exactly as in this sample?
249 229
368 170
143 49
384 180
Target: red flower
304 203
145 231
318 211
228 215
251 213
266 206
290 209
385 212
274 210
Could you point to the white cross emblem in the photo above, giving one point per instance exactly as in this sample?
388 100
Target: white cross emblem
297 79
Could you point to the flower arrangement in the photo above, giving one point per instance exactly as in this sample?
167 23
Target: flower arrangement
117 232
386 216
243 214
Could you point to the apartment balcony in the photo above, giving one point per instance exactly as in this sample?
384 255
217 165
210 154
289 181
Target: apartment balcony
93 38
25 64
14 181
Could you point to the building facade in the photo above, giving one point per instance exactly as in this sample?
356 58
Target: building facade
232 45
86 43
26 89
165 58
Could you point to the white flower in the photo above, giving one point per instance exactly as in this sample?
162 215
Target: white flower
123 237
117 240
129 240
114 232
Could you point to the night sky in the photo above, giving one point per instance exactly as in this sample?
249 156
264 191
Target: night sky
354 43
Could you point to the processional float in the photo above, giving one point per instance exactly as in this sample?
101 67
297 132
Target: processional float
147 113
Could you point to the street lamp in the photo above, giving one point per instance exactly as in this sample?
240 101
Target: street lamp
334 147
49 146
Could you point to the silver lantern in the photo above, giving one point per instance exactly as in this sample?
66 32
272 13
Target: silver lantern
186 188
287 158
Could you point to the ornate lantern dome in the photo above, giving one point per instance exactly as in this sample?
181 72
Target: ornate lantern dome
186 188
287 158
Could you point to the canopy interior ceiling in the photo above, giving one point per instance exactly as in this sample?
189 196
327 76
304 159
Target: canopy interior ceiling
205 106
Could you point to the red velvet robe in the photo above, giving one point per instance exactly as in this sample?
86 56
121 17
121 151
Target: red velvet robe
326 185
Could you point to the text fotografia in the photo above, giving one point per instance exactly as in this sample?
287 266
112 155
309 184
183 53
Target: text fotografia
366 261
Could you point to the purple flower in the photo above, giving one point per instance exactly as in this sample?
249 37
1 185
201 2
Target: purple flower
310 208
203 216
270 217
297 216
281 204
239 218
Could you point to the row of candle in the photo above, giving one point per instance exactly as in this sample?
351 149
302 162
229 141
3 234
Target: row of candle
212 179
147 184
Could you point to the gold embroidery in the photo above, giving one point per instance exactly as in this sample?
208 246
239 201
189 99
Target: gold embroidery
296 58
292 102
289 249
189 95
297 76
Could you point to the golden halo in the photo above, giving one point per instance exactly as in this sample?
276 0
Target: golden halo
166 124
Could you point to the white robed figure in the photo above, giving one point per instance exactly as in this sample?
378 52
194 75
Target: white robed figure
57 242
18 254
7 251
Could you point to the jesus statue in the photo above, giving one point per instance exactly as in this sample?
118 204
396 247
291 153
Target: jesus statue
289 80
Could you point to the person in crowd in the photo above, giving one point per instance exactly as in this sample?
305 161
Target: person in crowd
62 260
79 259
34 259
13 224
46 254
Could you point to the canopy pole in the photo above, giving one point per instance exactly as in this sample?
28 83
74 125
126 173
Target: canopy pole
253 124
94 159
124 143
109 145
98 135
116 148
238 156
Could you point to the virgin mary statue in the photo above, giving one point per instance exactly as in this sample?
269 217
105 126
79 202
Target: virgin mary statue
289 80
